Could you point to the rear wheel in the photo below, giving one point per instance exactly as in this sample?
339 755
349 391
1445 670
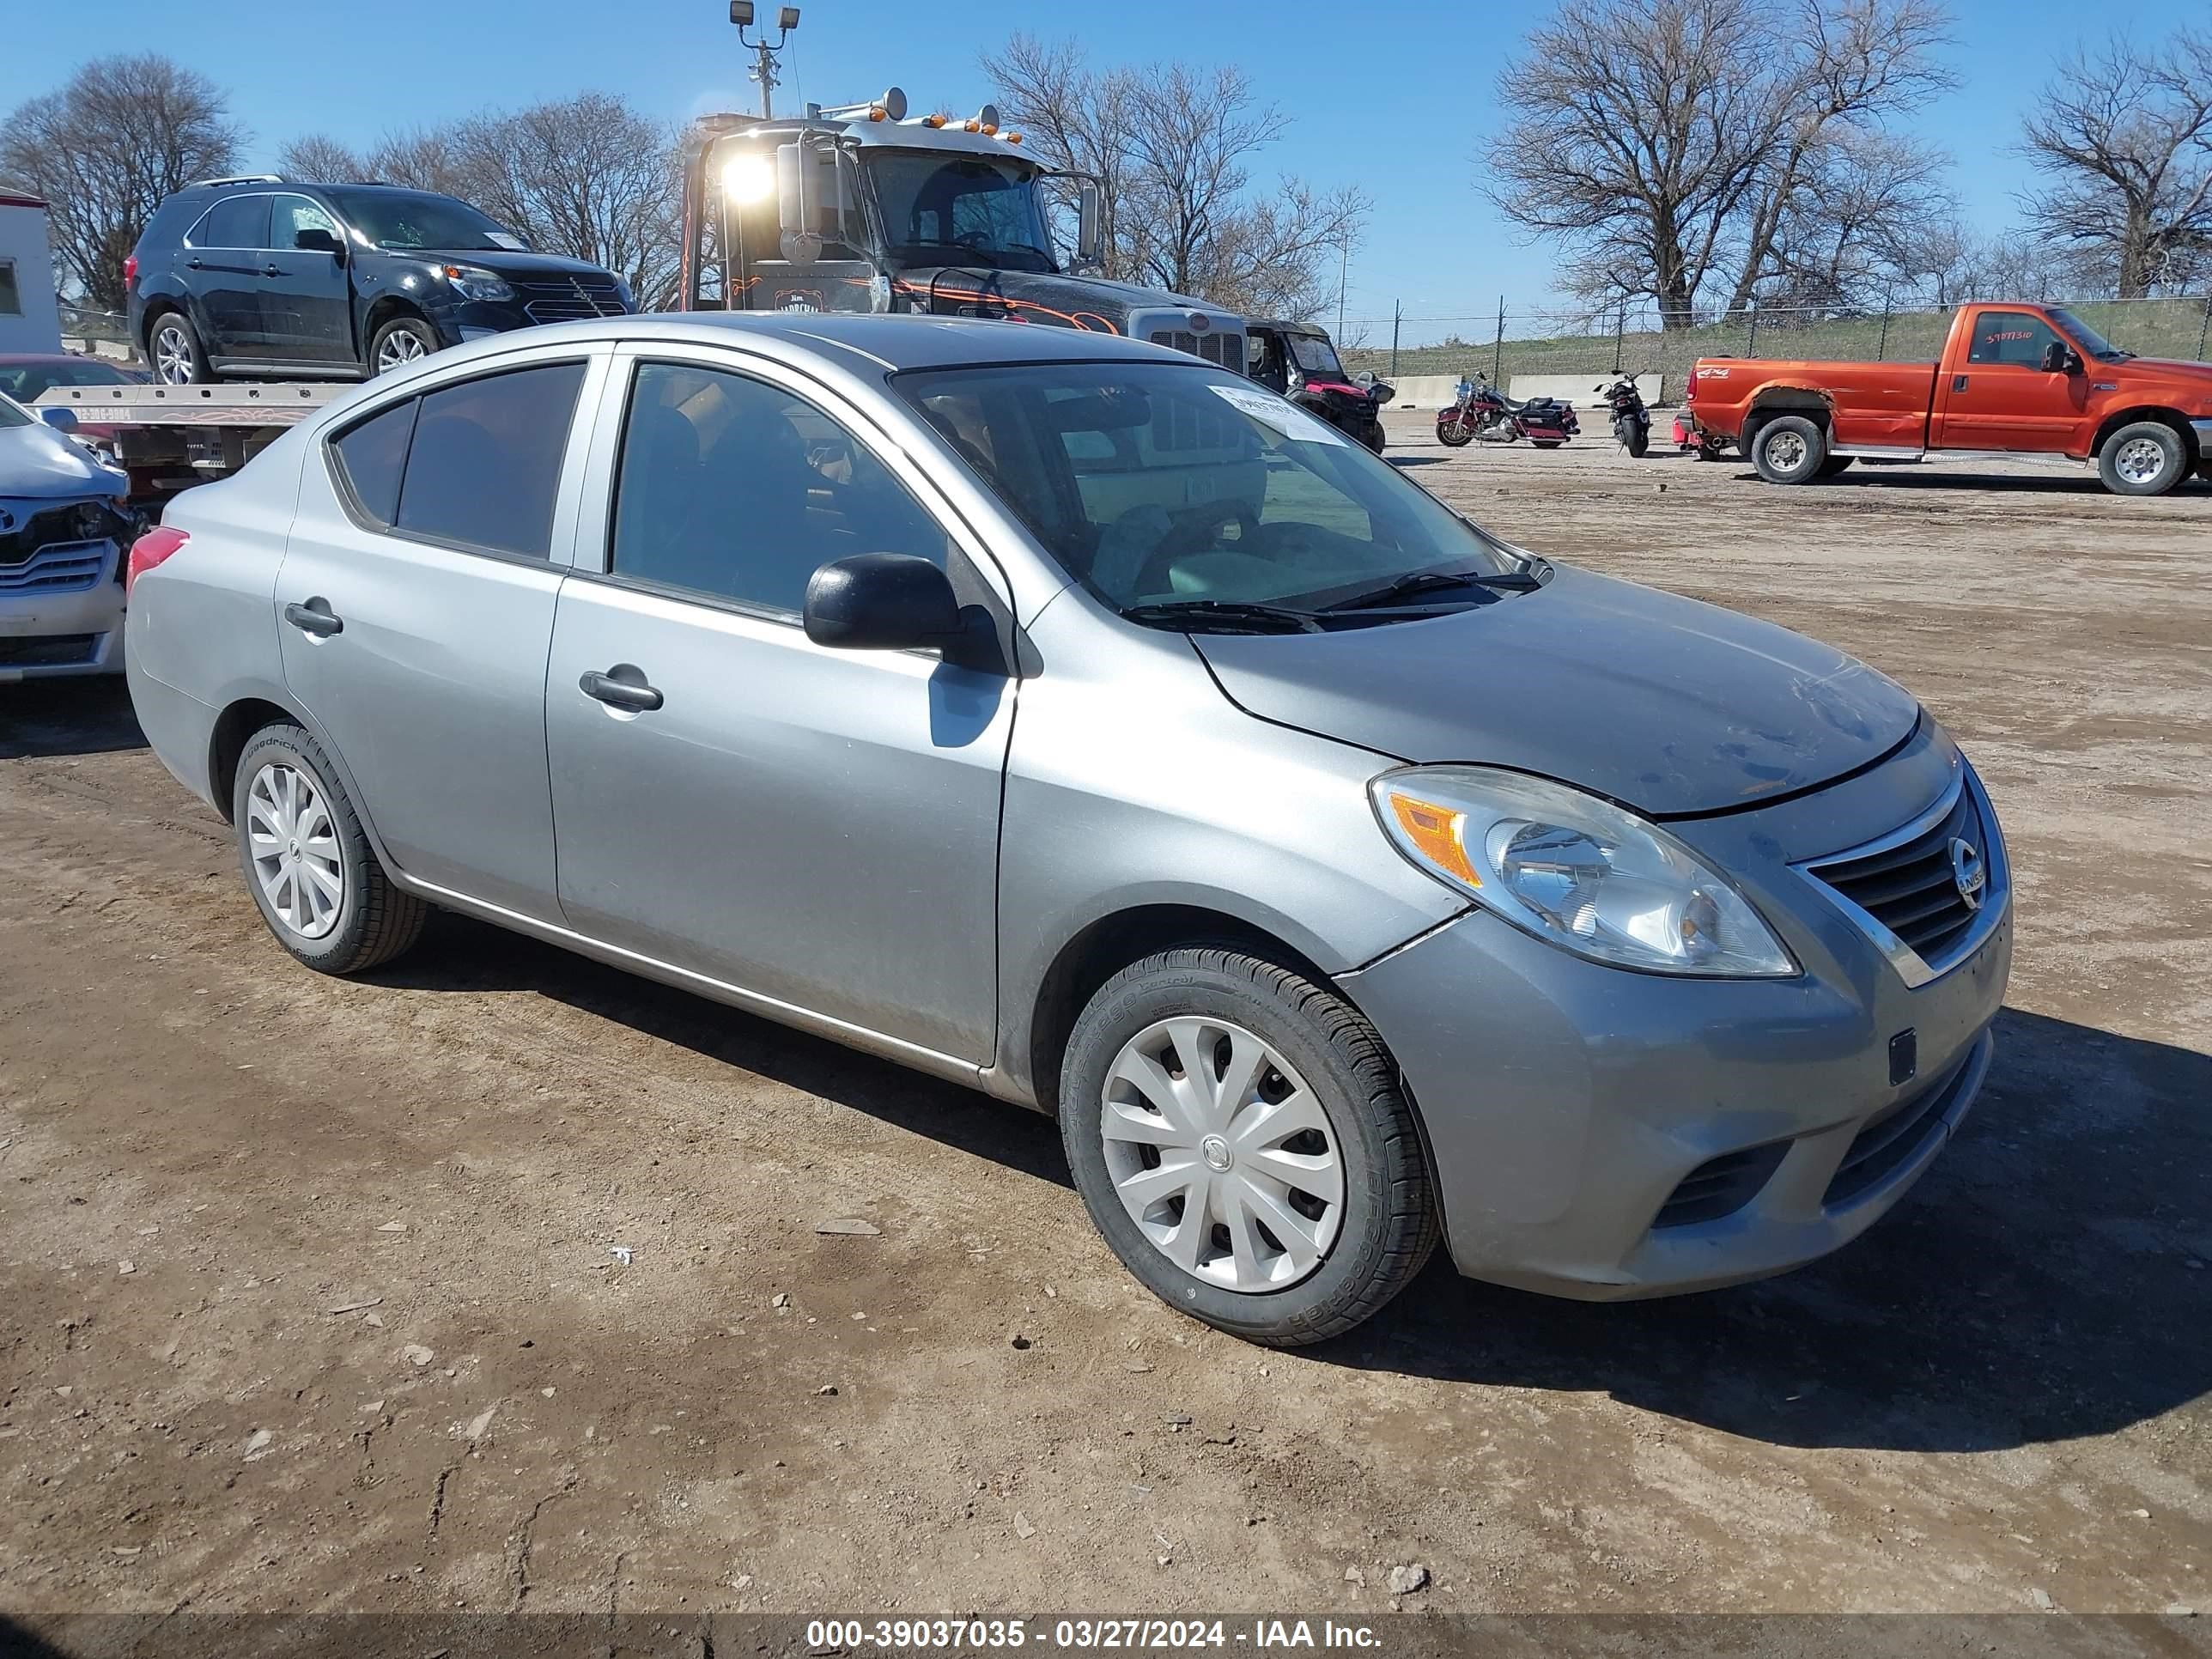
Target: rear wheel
1639 440
1240 1138
1789 449
308 862
173 344
2145 458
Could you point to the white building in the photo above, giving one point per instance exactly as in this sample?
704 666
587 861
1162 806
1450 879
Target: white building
30 315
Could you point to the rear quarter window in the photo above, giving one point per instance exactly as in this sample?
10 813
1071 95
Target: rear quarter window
372 457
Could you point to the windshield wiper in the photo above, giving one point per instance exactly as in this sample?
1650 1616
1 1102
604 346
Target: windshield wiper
1436 581
1190 614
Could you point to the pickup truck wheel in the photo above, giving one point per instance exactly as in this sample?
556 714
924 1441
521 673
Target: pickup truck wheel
2145 458
1789 449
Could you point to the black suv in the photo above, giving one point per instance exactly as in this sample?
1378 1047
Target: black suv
261 277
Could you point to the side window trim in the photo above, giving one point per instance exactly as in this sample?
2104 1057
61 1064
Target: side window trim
583 420
595 525
223 201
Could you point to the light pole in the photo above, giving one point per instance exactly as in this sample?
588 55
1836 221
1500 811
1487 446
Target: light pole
764 69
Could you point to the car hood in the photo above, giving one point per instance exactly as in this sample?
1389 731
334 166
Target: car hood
39 464
1087 303
2171 368
1660 703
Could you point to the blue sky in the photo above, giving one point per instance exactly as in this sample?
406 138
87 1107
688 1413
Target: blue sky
1393 98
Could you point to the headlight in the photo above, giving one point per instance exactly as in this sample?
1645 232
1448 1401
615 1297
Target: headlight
475 282
1577 871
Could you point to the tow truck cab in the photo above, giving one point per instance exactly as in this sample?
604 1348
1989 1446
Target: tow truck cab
863 207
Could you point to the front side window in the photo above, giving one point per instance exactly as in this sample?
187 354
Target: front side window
2013 338
235 221
1153 484
730 489
293 214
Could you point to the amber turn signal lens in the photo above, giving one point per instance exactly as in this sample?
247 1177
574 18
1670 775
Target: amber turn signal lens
1436 831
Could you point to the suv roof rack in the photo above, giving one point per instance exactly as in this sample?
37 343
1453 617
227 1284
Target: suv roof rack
239 179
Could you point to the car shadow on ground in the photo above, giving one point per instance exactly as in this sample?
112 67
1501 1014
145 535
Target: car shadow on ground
1995 483
44 717
2034 1287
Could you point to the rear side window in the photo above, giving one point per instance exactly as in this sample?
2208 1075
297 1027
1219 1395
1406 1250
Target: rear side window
235 221
485 463
373 455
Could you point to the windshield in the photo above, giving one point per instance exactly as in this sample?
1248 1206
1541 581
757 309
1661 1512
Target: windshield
1315 355
938 207
28 382
1154 483
416 218
2087 338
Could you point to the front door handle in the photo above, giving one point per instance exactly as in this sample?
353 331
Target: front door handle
1958 383
315 617
622 686
272 270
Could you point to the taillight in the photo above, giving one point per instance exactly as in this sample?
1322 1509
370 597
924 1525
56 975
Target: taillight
150 549
130 270
1690 391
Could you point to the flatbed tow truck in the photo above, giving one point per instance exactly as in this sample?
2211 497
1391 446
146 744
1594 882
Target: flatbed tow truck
169 437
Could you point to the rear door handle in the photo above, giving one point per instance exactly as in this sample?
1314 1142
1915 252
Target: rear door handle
192 264
315 617
622 686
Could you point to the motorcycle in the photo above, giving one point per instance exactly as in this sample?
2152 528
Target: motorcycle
1632 421
1483 413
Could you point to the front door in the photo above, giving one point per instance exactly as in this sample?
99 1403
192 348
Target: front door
2001 397
415 606
815 827
223 259
307 307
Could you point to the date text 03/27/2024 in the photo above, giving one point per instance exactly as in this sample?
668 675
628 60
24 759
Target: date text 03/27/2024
1143 1635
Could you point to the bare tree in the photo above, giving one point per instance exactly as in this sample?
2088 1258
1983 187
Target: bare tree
2125 136
104 150
1171 146
316 159
1666 143
1864 205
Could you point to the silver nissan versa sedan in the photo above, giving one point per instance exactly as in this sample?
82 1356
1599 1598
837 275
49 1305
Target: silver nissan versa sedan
1071 718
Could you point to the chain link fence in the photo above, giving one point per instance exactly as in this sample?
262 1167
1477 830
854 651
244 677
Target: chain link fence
100 333
1505 344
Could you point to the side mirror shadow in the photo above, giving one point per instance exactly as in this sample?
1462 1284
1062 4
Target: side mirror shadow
881 602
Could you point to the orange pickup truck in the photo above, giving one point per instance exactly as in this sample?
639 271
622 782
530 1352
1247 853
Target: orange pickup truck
2013 379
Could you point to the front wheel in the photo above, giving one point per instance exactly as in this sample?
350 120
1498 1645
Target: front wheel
1547 443
1789 449
402 340
1240 1138
1373 437
2144 458
1454 433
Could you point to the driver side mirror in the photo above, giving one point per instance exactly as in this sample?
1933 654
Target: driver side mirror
314 240
1089 224
2059 358
882 602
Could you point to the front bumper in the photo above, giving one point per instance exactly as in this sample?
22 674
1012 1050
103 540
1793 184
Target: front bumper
46 634
1566 1104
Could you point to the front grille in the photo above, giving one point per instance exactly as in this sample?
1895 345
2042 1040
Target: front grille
59 567
1912 887
79 521
569 299
1721 1186
1892 1140
1224 350
55 651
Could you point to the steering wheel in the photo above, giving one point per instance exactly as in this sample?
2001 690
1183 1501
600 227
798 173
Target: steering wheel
1193 527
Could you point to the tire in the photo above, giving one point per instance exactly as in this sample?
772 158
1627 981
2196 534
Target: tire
1349 1258
1454 435
401 340
1712 451
1639 440
1789 449
1373 437
2146 458
371 920
174 352
1836 465
1546 443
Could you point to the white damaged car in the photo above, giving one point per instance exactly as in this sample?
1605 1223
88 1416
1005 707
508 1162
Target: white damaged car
64 532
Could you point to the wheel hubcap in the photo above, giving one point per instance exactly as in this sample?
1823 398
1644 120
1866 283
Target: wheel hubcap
1222 1155
2140 460
293 845
1786 450
398 349
173 357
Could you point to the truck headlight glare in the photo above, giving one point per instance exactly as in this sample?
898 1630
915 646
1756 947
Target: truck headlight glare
748 179
1577 871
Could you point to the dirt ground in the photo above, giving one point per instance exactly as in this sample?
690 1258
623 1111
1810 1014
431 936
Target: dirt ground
308 1296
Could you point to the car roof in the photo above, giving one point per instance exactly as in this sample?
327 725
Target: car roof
865 342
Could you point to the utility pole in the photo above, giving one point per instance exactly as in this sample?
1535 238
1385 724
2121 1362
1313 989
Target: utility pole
1398 316
1497 346
1343 272
763 69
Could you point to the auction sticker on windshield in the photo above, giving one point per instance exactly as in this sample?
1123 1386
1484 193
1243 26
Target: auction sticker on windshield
1286 418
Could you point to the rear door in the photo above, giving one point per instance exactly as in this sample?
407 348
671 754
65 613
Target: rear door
815 827
221 264
306 305
415 606
2000 396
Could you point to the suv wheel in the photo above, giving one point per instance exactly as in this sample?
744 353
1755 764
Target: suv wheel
1789 449
308 862
174 347
402 340
1239 1136
2144 458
